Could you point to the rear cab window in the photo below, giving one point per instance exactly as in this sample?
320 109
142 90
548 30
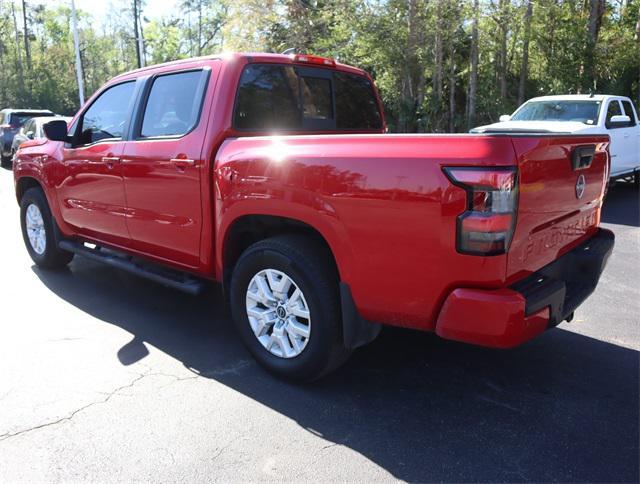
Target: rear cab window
18 119
300 98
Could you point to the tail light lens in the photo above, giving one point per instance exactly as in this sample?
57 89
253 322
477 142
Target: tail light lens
314 59
486 226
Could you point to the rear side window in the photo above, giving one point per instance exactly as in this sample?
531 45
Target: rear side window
268 98
174 103
628 110
278 97
107 115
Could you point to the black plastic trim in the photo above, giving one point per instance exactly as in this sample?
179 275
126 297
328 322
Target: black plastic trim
167 277
565 283
582 156
355 330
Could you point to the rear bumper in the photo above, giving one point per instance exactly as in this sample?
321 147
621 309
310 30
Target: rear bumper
507 317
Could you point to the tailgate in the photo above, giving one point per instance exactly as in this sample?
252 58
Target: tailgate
561 182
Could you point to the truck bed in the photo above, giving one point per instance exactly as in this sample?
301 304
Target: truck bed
389 212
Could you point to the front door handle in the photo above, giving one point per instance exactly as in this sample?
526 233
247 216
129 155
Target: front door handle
110 161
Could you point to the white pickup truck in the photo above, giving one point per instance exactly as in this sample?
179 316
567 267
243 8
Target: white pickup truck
583 114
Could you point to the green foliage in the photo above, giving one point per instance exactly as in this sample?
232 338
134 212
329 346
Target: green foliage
418 51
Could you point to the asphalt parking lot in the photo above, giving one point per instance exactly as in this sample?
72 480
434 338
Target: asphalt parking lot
107 377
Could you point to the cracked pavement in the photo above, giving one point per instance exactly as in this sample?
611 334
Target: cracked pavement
106 377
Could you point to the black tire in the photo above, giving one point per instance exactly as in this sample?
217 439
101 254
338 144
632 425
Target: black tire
51 257
4 161
311 268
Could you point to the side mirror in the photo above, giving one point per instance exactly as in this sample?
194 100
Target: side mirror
619 121
504 118
29 134
56 130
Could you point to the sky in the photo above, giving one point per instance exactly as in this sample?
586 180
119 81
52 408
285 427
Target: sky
98 8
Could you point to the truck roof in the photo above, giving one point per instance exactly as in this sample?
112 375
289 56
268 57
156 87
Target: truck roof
578 97
232 56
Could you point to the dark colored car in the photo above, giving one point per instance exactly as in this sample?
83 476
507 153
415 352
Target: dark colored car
32 130
11 120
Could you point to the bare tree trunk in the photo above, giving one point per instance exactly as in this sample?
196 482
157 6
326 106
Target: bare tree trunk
18 53
524 68
638 39
504 31
135 33
27 48
438 56
199 28
413 91
596 11
473 76
143 55
452 86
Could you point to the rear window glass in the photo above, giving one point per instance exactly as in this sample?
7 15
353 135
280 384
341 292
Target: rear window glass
173 107
18 119
317 100
358 106
278 97
577 111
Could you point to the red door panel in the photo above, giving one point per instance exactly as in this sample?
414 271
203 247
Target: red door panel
163 199
91 195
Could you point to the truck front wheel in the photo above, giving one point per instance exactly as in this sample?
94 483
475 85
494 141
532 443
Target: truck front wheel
38 231
286 306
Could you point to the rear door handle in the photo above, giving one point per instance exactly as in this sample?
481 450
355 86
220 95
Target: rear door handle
186 161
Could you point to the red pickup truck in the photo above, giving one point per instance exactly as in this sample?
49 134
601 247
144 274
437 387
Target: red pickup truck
273 175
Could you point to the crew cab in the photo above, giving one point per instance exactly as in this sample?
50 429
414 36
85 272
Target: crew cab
273 175
614 116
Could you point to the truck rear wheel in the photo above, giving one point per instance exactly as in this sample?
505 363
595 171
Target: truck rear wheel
286 306
38 231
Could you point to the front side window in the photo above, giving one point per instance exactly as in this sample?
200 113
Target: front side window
107 115
283 97
612 110
173 106
577 111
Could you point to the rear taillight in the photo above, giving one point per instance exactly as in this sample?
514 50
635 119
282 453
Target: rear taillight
486 226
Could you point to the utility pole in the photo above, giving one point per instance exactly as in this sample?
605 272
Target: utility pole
76 43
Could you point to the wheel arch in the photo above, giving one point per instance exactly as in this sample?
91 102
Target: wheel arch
248 229
25 183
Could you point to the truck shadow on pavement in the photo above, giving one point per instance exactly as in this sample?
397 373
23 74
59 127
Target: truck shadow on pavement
622 205
561 408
